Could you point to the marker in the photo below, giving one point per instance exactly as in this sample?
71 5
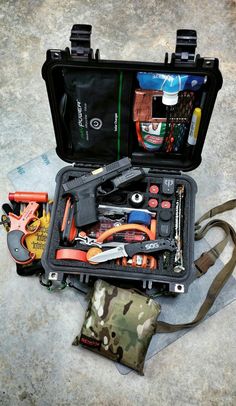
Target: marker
194 127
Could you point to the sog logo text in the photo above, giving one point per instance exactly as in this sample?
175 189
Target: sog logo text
152 245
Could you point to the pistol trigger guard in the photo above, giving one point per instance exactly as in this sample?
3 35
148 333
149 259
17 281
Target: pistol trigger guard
102 192
112 191
28 230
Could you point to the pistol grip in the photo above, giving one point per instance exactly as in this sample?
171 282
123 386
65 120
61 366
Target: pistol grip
85 211
19 252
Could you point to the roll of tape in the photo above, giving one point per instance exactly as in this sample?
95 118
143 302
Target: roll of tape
72 254
139 217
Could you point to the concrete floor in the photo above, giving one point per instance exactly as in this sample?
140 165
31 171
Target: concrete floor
38 365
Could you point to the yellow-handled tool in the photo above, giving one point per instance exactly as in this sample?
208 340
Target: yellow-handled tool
36 242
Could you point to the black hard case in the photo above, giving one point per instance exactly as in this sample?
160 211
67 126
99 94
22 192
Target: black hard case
81 58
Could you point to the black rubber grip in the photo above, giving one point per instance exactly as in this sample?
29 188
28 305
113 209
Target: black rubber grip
18 252
150 246
85 211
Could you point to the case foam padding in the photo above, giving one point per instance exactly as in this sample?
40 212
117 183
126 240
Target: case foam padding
59 202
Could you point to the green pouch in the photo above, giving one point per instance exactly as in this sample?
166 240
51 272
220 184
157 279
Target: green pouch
119 324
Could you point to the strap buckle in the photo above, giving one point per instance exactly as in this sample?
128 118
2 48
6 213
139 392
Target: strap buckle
205 261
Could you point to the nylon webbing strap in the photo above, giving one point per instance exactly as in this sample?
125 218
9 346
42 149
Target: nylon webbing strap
207 258
231 204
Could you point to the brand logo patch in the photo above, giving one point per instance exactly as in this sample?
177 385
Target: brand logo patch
90 342
80 114
96 123
152 245
153 139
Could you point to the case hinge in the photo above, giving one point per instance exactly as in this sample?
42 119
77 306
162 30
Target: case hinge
81 41
186 43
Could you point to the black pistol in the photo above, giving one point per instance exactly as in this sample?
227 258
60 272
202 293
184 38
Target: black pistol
84 189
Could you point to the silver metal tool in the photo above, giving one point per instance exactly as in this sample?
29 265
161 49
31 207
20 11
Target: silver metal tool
109 210
179 264
85 240
129 250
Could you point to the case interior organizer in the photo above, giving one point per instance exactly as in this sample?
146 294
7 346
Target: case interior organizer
165 274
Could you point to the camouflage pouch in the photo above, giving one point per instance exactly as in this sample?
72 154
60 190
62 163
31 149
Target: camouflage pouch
119 324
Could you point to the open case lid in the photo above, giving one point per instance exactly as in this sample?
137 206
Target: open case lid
94 104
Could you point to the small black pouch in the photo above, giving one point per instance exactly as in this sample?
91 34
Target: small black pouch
95 111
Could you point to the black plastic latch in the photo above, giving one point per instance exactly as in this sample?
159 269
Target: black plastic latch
186 43
81 41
